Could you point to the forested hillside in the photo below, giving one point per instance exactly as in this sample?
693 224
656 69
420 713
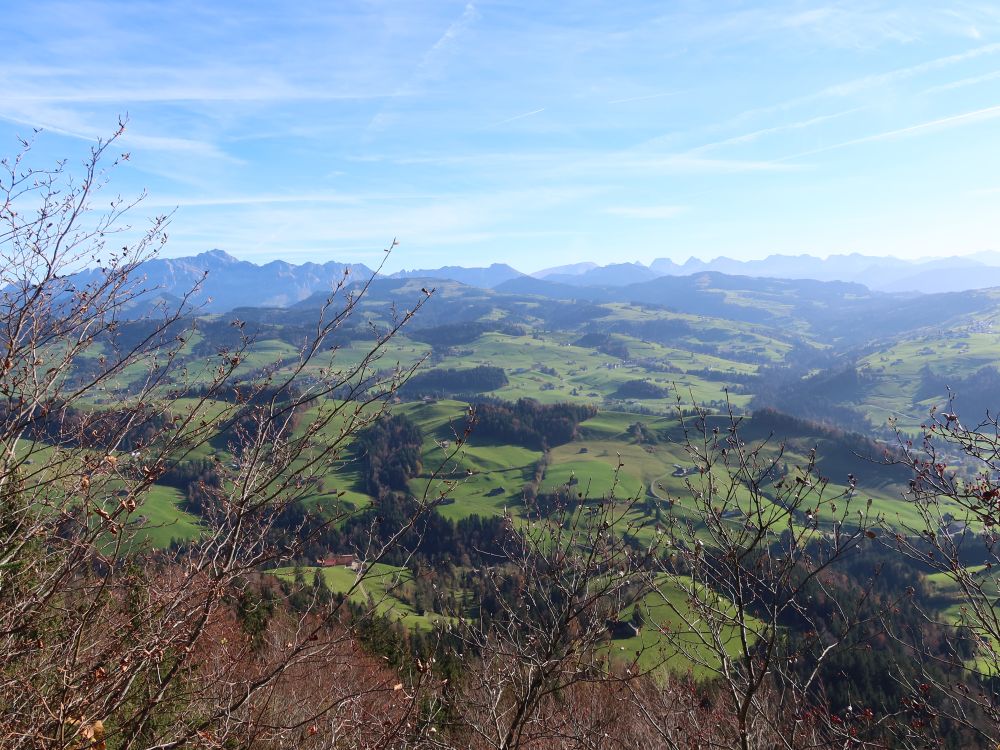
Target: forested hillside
434 515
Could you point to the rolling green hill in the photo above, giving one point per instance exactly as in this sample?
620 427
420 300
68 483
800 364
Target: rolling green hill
636 359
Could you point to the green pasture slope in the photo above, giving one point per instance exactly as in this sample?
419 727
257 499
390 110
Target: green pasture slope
951 607
706 361
894 373
379 585
161 519
951 604
477 479
551 369
672 627
158 519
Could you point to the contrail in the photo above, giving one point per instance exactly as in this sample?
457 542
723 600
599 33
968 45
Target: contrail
518 117
987 113
640 98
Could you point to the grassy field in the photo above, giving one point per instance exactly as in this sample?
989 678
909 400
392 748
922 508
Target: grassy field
375 588
161 520
593 466
688 647
52 473
953 605
479 480
708 361
551 369
593 479
895 372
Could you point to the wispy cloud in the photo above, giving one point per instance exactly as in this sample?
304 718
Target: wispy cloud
326 127
867 25
271 91
644 97
270 226
454 30
170 144
866 83
432 64
677 164
647 212
254 200
573 165
517 117
881 79
941 123
783 128
66 123
963 82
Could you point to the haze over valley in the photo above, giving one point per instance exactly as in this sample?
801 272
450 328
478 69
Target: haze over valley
490 375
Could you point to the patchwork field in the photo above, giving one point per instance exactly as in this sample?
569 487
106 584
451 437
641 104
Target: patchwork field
379 586
636 364
670 611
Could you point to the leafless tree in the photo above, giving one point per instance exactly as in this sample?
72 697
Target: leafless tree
106 641
565 577
103 639
751 551
956 492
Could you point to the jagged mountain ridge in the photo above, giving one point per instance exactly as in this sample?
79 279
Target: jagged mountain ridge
879 273
227 282
614 274
485 278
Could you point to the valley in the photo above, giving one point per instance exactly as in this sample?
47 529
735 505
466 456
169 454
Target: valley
641 367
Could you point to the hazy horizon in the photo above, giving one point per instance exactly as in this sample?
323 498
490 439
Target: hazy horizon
480 132
397 262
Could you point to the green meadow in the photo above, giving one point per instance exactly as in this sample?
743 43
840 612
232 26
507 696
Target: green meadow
377 586
632 450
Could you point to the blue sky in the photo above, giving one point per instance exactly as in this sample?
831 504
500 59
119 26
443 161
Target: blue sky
526 132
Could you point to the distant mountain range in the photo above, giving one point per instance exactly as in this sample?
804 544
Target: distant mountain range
615 274
227 282
484 278
879 273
